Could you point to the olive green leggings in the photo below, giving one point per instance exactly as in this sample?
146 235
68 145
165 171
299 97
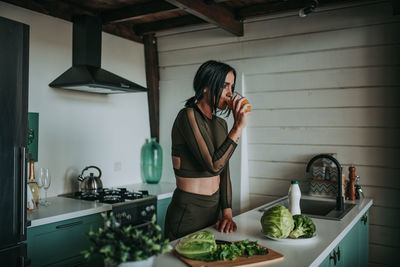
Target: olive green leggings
188 213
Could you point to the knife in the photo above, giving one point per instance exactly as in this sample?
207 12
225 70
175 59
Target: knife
222 242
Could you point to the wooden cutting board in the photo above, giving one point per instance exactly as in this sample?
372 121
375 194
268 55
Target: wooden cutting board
255 260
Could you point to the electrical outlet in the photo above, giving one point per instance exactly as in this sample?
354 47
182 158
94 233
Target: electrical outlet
117 166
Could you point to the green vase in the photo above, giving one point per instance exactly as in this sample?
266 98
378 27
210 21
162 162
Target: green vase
151 161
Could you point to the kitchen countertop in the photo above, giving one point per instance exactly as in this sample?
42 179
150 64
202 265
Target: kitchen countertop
62 208
303 253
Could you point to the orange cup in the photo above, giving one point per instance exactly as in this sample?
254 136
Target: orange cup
244 102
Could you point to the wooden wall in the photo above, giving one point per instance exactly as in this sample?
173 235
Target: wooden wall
328 83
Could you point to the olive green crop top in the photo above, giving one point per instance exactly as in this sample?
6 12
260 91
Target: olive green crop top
201 148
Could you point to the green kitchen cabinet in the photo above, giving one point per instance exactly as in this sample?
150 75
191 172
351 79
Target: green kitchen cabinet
363 239
61 243
353 249
162 206
348 248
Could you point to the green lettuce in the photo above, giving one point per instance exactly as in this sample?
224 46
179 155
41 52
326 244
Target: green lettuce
277 222
197 245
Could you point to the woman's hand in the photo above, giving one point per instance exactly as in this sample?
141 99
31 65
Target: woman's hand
226 224
240 117
239 112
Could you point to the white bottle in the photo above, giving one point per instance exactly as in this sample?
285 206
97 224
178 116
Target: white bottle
294 198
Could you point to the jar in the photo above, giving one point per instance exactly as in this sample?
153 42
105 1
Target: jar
151 161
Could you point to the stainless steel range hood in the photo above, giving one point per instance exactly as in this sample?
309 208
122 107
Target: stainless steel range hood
86 73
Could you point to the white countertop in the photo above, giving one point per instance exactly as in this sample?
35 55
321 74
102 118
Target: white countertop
303 253
62 208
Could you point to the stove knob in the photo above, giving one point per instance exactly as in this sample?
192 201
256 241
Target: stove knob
148 208
129 217
152 207
143 213
144 192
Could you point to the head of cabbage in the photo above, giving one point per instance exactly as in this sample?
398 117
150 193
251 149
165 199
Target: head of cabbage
197 246
277 222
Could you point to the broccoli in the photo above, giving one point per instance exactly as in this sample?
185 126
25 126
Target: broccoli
304 227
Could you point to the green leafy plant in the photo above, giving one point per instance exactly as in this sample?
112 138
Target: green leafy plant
120 244
277 222
304 227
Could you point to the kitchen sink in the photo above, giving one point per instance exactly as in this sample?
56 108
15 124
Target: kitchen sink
315 208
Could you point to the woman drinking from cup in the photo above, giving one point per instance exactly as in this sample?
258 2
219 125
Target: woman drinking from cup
201 149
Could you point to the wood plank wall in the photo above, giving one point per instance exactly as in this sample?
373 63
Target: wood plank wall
326 83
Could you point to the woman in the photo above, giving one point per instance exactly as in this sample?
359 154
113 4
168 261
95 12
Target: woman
201 149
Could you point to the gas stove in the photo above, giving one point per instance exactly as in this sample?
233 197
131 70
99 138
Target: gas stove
110 195
129 207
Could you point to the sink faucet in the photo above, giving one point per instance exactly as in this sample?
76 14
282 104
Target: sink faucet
339 197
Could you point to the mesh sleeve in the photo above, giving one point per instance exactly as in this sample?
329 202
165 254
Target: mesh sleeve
212 160
225 188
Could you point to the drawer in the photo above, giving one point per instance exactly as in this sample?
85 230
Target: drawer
62 241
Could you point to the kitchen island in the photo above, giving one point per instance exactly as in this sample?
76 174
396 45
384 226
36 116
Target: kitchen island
315 252
330 233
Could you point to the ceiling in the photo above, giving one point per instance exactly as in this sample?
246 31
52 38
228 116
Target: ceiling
131 19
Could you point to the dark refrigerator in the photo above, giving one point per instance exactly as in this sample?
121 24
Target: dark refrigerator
14 64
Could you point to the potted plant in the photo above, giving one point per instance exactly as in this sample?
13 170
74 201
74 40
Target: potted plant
126 244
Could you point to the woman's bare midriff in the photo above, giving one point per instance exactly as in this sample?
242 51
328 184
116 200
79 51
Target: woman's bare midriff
202 186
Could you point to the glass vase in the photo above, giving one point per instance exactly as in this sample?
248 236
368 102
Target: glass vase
151 161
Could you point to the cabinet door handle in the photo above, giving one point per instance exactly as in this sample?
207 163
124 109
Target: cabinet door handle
333 257
364 218
338 253
68 225
23 190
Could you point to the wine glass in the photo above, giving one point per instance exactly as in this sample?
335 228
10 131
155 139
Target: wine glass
39 178
46 184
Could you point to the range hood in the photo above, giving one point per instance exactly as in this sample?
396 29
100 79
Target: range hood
86 74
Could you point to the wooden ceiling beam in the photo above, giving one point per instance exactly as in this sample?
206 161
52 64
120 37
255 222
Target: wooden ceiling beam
65 11
269 8
152 27
122 30
284 6
153 81
213 14
137 11
58 9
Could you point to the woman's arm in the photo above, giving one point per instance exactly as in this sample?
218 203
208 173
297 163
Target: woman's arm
226 223
225 189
